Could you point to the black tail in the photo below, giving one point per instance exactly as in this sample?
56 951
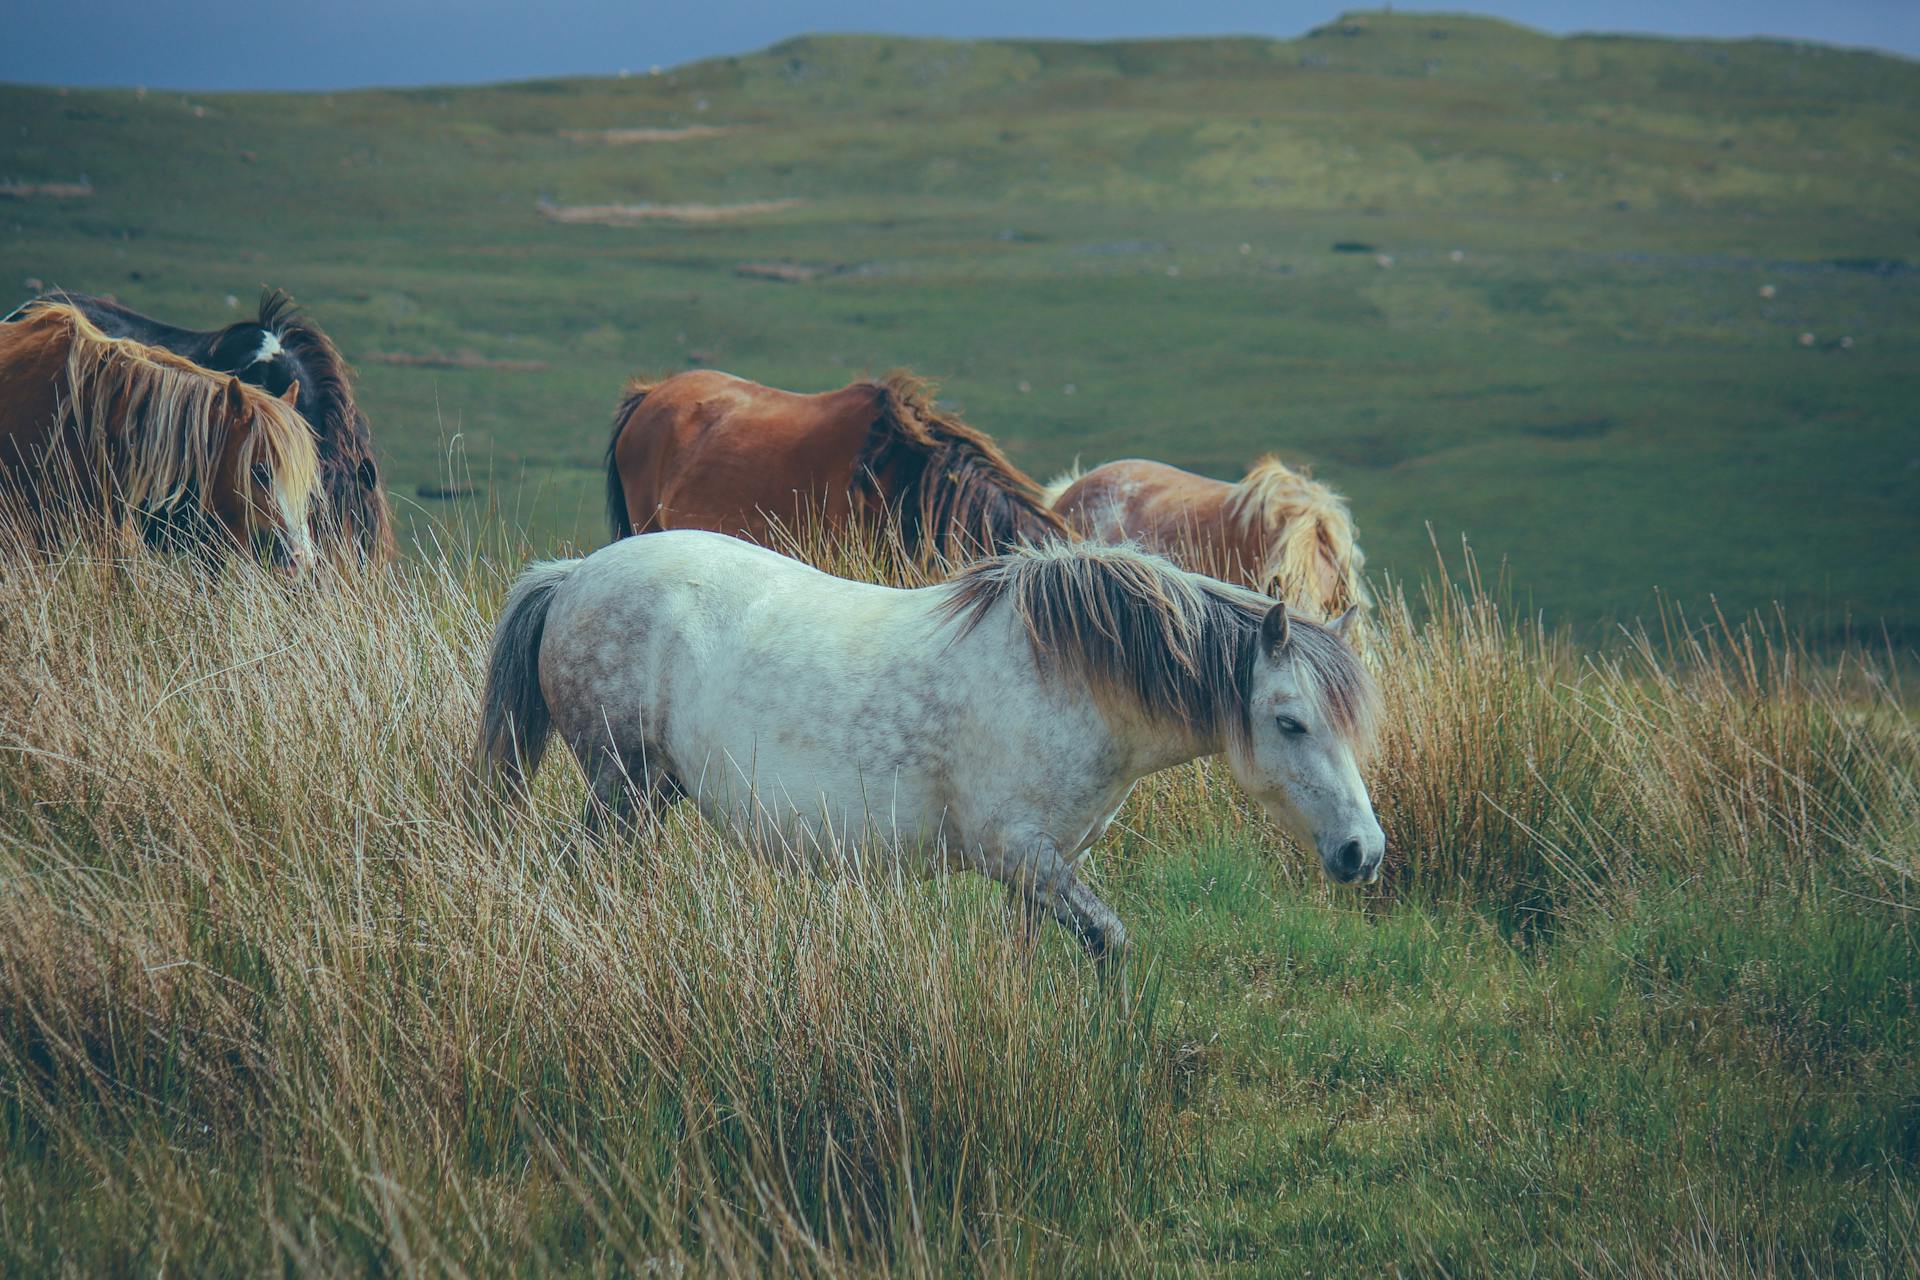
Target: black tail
514 719
617 518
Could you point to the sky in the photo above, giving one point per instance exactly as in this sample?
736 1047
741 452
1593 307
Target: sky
332 44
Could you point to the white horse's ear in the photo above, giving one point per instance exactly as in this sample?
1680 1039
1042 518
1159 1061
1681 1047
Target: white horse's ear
1342 626
1274 631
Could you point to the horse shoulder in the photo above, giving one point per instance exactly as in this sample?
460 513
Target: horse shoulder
33 364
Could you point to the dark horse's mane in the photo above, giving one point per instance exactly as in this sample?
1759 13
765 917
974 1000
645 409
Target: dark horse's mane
953 491
356 500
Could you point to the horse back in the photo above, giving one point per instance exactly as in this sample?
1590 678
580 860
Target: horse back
706 450
1173 512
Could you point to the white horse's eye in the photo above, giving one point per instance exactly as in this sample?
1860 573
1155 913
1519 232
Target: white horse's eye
1289 725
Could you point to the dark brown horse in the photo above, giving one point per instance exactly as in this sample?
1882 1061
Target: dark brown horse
707 450
279 350
144 440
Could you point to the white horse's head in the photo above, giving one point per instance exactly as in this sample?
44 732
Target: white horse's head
1308 716
1198 665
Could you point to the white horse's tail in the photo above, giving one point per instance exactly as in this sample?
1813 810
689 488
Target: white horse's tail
514 719
1052 490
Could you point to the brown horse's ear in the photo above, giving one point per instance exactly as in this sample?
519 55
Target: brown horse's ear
1274 631
1342 626
291 395
234 399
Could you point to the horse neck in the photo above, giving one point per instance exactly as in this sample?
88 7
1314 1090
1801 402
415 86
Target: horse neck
315 394
1150 740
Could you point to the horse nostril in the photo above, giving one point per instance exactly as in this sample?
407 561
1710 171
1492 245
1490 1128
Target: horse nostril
1349 858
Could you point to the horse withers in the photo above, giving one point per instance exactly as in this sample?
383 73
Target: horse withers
1277 530
707 450
993 722
281 350
146 440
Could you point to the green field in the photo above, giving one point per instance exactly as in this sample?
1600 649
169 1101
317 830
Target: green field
1596 392
1638 996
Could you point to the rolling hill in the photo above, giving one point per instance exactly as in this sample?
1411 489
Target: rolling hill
1628 314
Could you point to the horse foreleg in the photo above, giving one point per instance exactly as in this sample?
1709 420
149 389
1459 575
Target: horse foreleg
1047 883
1091 920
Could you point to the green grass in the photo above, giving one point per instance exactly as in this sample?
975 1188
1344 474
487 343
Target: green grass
1596 393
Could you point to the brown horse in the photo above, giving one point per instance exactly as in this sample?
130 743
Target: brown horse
707 450
149 441
1278 530
277 351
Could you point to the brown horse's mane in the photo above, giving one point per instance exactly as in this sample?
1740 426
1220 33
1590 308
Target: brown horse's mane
345 442
1128 623
152 424
1303 525
952 489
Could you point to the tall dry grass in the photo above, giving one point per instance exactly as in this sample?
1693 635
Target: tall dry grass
1521 766
245 915
271 993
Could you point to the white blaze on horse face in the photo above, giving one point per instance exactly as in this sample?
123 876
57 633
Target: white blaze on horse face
295 531
269 348
1304 774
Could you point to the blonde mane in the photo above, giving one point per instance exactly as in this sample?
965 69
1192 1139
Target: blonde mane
1308 535
152 425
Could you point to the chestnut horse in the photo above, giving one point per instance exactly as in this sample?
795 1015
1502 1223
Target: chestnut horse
707 450
279 349
1277 531
149 441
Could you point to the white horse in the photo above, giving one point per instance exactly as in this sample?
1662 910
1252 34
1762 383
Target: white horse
995 722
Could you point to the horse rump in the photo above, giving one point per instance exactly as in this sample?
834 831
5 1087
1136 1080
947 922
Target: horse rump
618 519
514 719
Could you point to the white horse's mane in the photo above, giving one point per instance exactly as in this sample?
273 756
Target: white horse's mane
1131 623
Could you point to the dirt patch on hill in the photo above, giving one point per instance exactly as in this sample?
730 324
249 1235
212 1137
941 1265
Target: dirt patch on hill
45 190
786 272
621 215
457 360
634 137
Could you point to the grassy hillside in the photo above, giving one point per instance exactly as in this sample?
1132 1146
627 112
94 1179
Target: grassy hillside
1107 249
